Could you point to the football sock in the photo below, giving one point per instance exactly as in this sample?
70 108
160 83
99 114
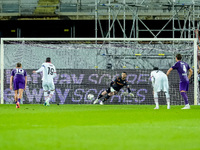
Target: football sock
167 98
156 99
168 103
106 98
50 96
100 96
184 95
45 95
19 100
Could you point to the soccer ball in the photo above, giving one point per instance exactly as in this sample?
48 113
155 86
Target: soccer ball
90 96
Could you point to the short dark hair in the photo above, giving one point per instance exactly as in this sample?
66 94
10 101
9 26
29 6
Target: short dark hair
48 59
19 64
124 72
155 68
178 56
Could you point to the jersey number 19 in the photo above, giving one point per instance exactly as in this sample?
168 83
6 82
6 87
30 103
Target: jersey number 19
50 70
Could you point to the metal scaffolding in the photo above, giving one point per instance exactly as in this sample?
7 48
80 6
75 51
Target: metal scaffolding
184 18
169 10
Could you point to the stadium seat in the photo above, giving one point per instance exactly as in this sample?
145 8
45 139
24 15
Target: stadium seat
28 7
10 6
47 7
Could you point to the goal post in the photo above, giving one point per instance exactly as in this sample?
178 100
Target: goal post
95 55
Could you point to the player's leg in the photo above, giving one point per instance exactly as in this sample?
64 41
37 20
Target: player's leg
16 88
157 88
20 94
16 95
155 94
107 97
45 89
110 93
45 97
183 88
166 90
51 87
50 97
16 98
185 97
21 86
167 99
101 95
15 84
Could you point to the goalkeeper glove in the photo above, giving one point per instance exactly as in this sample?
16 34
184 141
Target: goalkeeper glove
131 94
125 93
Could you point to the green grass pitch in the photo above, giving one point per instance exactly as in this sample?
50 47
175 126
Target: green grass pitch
96 127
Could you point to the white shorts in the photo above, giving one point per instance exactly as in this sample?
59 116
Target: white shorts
48 86
112 90
161 84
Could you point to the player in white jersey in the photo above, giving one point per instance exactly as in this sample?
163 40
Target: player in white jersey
49 72
160 83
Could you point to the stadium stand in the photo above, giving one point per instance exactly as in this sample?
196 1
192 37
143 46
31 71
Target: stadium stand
68 6
47 7
10 6
28 7
51 7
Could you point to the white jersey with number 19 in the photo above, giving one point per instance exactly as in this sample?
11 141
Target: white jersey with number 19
49 72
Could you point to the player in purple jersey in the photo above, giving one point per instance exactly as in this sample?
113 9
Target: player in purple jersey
19 78
182 69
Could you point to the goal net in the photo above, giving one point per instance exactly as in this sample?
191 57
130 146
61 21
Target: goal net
88 65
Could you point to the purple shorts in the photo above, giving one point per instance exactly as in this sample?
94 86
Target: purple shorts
184 86
19 84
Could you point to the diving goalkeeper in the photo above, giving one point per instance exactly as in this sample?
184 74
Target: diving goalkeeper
114 88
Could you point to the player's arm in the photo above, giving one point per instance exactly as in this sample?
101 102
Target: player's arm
111 83
128 88
168 72
115 81
190 73
11 81
152 78
54 74
153 82
39 70
129 91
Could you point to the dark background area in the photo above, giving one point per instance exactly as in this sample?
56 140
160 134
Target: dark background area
79 28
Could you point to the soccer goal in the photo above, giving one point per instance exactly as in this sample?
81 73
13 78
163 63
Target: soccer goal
88 65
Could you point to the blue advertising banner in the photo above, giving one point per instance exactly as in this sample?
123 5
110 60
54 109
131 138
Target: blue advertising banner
73 85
